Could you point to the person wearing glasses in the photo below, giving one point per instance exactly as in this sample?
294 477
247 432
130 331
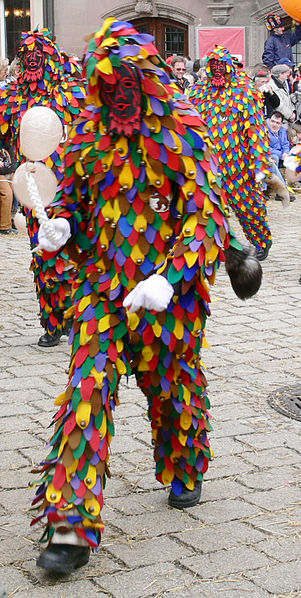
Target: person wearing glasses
178 65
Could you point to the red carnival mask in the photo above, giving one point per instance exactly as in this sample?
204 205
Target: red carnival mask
33 62
218 69
123 100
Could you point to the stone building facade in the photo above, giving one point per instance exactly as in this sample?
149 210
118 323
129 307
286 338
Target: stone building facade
189 27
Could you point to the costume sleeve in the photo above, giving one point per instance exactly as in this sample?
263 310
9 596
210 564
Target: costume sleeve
256 133
268 56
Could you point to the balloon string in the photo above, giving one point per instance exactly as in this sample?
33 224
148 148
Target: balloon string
39 208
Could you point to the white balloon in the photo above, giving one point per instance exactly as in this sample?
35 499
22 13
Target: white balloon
40 133
45 180
20 222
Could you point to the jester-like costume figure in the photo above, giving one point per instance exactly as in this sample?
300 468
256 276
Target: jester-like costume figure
48 78
232 109
144 213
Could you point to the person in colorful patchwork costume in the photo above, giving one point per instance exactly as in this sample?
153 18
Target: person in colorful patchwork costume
232 109
142 207
48 78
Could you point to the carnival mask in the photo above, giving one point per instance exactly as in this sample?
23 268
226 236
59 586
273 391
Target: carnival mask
33 63
124 101
218 69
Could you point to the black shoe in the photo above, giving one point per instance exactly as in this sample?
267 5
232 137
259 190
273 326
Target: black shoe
63 558
263 252
292 197
188 498
8 231
49 340
278 198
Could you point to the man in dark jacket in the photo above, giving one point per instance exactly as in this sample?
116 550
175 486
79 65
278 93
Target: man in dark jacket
279 44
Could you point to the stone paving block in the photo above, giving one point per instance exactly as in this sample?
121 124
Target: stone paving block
222 467
282 549
212 538
271 440
15 440
231 587
267 480
233 428
274 500
143 502
14 478
147 581
226 562
277 524
146 552
282 578
269 457
215 488
223 511
150 525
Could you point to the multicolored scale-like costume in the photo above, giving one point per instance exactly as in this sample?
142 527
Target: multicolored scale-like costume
140 186
232 109
46 79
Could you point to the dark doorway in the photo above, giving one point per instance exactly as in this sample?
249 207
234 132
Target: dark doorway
170 36
17 19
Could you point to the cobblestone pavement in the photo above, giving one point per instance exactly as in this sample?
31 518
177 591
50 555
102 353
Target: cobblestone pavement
242 540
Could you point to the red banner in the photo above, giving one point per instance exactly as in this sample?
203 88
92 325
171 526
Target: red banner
232 38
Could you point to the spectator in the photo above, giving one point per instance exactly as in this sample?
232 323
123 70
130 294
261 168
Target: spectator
3 71
279 144
270 98
280 74
279 44
179 69
13 70
6 194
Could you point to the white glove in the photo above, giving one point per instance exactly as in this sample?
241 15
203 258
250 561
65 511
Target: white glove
62 231
259 176
153 293
291 162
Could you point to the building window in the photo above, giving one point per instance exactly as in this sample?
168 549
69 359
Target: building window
170 36
174 41
17 19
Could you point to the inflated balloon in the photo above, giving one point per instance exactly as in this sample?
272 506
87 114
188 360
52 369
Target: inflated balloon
40 133
292 8
45 180
20 222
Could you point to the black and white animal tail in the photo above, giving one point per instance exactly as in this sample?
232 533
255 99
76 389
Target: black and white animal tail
244 270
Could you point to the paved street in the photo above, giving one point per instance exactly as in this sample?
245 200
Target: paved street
242 540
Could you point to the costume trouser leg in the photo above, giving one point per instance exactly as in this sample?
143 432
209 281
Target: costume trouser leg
250 208
74 474
168 372
75 471
53 284
53 278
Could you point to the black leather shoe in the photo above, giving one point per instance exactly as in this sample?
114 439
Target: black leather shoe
63 558
188 498
49 340
263 252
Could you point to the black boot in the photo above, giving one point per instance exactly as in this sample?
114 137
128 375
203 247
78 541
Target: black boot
49 340
63 558
263 252
188 498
